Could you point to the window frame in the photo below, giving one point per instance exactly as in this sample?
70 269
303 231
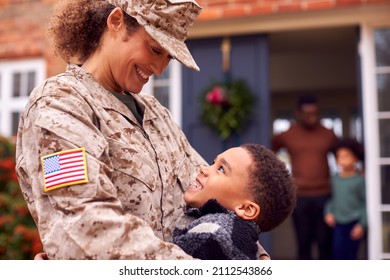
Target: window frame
373 160
9 105
175 92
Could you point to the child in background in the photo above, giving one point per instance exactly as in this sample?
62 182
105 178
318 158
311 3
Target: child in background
246 191
346 210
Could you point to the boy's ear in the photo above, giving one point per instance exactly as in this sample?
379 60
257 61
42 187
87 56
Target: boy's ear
248 210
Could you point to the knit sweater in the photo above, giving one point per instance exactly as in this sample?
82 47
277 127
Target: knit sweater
212 232
348 202
308 150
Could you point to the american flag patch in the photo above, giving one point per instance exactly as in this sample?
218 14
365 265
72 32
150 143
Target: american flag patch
64 168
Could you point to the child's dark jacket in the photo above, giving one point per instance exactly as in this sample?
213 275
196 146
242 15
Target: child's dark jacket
212 232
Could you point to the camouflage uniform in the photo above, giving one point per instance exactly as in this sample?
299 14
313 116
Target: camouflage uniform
137 175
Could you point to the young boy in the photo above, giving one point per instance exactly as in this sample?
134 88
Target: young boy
246 191
346 211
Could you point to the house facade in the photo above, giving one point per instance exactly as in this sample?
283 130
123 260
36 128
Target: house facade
337 50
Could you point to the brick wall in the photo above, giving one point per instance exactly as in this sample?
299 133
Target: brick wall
23 22
22 28
218 9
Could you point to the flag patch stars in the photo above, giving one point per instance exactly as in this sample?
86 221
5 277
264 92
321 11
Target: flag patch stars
65 168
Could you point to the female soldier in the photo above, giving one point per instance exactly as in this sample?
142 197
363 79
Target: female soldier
103 168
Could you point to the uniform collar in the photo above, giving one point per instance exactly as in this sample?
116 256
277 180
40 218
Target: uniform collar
106 99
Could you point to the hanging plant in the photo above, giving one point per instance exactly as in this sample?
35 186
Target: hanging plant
226 107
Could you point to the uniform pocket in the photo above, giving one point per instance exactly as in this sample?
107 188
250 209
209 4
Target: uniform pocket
133 162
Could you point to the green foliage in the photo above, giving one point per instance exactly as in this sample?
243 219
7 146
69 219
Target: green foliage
226 107
19 238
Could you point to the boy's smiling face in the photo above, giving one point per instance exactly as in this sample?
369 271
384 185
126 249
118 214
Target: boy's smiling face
226 181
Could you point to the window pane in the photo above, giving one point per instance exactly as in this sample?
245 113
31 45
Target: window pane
281 125
384 137
16 84
356 128
382 45
385 183
30 82
386 232
383 83
162 94
334 124
15 122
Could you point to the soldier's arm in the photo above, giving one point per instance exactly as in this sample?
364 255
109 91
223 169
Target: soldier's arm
87 220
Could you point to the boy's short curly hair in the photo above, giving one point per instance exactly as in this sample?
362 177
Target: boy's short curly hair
271 186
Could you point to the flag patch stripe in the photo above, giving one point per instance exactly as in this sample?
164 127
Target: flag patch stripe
64 168
64 175
62 181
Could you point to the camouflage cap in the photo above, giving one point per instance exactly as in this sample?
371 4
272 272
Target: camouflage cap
167 21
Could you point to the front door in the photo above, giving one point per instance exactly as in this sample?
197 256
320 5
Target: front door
248 60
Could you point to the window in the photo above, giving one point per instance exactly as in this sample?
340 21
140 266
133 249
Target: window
23 83
376 102
17 80
167 89
382 63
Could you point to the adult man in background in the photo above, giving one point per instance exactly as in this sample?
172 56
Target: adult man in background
308 144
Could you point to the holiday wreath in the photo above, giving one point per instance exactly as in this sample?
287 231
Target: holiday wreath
226 107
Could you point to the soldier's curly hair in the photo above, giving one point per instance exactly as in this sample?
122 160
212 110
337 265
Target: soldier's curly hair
76 26
271 186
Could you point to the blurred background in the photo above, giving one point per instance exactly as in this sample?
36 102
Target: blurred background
19 238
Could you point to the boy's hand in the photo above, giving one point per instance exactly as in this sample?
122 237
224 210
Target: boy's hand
40 257
264 257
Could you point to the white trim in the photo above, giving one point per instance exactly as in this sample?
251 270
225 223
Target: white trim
386 256
384 161
9 104
385 208
383 70
383 115
373 160
371 139
348 16
175 94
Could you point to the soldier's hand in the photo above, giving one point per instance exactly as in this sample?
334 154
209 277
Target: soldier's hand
40 257
265 257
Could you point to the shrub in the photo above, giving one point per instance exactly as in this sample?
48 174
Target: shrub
19 238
